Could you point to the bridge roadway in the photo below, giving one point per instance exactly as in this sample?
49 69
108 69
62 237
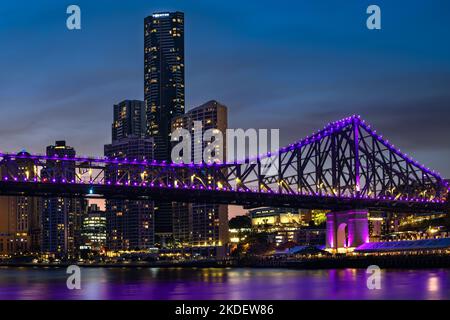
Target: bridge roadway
233 197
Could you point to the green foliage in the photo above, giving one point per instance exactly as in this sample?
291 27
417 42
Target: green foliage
240 222
319 217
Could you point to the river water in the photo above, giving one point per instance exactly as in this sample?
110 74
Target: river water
233 283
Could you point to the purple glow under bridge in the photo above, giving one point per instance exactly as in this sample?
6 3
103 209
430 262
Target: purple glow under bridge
345 165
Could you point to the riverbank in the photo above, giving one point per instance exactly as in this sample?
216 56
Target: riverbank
361 262
335 262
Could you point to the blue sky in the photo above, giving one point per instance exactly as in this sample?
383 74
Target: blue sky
292 65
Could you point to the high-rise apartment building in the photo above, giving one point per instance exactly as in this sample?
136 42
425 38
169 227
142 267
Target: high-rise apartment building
163 76
182 223
129 224
129 120
209 221
61 217
164 100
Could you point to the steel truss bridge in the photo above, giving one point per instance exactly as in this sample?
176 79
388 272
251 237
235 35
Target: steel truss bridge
345 165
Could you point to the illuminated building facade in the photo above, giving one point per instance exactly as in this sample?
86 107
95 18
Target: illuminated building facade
213 116
133 148
129 120
163 76
61 217
164 99
93 231
264 218
209 221
310 236
19 216
129 224
238 235
182 223
288 225
382 224
417 227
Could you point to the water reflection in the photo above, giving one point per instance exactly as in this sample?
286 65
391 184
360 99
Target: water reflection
236 284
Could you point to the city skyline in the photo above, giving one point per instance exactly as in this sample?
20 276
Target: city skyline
229 154
404 86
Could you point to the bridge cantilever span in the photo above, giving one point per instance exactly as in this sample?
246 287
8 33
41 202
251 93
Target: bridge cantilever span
343 166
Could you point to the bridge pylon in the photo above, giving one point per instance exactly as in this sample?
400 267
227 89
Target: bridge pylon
347 230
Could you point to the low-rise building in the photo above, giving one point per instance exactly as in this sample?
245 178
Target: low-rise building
284 225
93 230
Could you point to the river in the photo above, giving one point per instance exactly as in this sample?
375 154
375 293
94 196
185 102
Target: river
216 283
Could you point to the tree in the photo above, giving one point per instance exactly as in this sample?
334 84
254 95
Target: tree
240 222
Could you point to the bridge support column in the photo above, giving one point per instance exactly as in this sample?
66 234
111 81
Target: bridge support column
347 229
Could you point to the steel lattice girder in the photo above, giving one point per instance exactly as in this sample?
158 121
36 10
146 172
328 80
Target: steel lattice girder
345 160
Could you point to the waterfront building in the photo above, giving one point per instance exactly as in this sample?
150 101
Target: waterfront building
209 221
423 246
238 235
129 223
61 217
213 116
164 99
310 236
182 224
381 224
19 216
267 217
280 224
93 231
284 225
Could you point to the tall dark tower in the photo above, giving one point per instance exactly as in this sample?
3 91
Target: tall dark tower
164 96
163 76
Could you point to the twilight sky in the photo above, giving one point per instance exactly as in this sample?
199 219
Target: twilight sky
293 65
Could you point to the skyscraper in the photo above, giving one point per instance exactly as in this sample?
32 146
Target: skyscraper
164 97
61 217
209 221
129 120
163 76
129 224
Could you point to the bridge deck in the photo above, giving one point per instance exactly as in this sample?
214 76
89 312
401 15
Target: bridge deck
253 199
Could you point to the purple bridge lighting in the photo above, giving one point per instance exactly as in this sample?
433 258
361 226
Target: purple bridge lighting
344 166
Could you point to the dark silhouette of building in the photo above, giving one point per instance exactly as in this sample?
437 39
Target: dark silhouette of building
129 224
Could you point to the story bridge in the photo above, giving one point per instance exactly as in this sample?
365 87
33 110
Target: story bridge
344 167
